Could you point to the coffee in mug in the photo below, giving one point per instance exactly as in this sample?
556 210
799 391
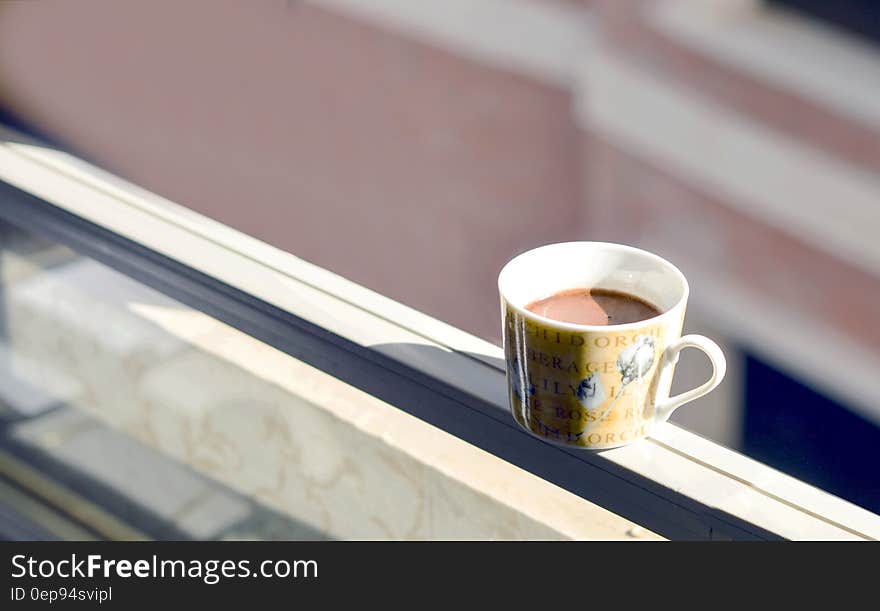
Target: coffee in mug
584 306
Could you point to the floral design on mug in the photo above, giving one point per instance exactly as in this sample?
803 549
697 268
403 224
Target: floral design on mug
636 360
633 363
515 373
591 392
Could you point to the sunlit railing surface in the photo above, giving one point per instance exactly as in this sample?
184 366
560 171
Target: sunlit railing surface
675 484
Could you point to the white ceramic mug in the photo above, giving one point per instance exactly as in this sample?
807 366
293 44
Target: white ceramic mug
596 386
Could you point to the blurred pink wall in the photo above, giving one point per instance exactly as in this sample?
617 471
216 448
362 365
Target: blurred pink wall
400 166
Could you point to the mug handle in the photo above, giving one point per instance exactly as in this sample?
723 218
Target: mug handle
664 409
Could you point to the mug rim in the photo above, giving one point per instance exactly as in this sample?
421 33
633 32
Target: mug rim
568 326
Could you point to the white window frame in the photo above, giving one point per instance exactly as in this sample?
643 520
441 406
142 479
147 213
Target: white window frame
675 483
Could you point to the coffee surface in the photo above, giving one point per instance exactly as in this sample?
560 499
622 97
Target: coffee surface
593 307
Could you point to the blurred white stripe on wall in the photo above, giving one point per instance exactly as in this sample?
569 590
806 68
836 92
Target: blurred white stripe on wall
539 39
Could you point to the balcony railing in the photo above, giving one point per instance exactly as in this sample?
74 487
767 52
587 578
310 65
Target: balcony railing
675 484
